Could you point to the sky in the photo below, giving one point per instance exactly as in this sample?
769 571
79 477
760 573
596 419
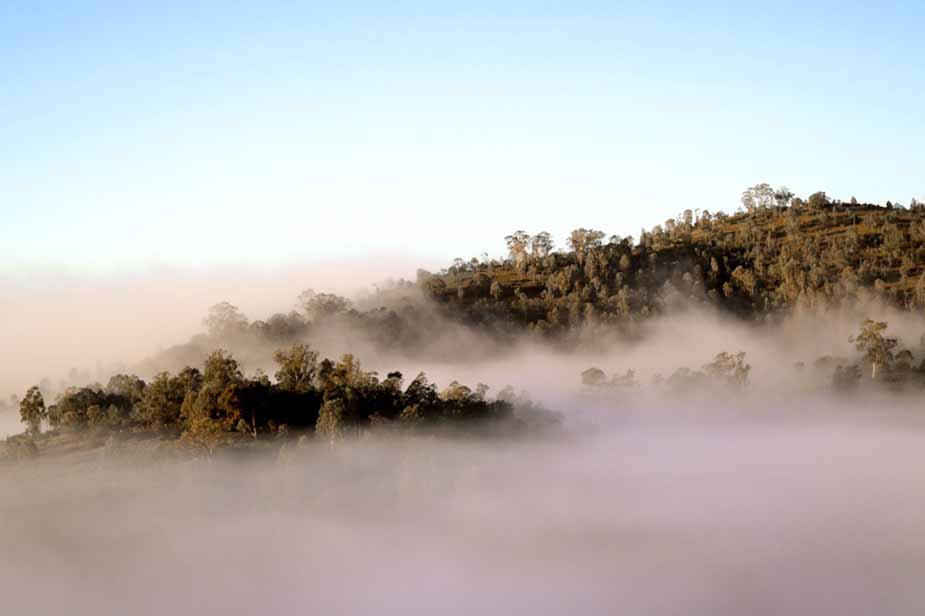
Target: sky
209 134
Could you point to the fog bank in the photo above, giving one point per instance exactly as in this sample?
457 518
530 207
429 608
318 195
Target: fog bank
54 321
9 423
814 513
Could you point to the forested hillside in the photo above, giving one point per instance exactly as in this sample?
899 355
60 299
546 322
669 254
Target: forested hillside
777 254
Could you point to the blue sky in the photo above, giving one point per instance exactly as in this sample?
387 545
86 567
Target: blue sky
193 134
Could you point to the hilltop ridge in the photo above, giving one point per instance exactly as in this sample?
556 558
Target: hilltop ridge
778 254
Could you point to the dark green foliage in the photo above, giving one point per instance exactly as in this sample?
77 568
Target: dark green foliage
32 410
220 404
297 368
80 407
216 407
161 403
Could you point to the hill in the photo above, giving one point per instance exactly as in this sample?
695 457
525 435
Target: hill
777 255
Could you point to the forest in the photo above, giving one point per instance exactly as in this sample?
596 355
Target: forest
776 255
216 406
242 381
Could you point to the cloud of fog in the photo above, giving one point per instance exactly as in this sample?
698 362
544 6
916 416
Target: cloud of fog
814 511
690 339
54 322
776 501
9 423
121 324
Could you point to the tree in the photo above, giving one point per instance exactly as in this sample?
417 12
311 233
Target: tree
919 291
758 197
281 327
496 290
625 262
331 420
322 305
225 320
32 410
541 244
584 240
729 368
817 201
435 286
347 382
297 368
783 196
128 387
220 371
746 279
593 377
456 392
517 243
160 404
215 408
877 348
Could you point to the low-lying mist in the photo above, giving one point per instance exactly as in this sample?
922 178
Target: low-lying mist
670 509
79 332
55 323
782 497
9 423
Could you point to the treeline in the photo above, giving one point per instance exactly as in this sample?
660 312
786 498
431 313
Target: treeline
778 254
218 404
392 320
883 362
727 370
397 318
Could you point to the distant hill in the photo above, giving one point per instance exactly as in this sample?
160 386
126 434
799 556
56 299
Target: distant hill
777 255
